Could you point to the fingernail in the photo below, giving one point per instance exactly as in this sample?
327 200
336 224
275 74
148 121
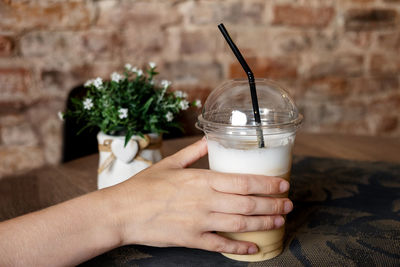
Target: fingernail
279 221
288 206
252 250
284 186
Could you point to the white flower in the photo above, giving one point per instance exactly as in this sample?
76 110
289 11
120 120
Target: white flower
123 113
88 83
116 77
165 83
151 82
98 83
184 104
88 103
60 116
169 116
128 66
178 94
152 65
139 72
197 103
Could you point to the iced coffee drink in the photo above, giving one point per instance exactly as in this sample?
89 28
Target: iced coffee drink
233 144
273 160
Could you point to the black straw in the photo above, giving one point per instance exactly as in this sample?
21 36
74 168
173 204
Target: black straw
252 83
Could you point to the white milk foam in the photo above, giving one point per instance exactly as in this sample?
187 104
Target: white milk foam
272 161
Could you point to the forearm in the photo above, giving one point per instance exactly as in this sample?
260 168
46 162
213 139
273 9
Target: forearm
64 234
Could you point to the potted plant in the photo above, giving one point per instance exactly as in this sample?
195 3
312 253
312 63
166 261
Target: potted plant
132 111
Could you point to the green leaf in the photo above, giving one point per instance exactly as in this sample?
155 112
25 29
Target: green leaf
128 137
147 105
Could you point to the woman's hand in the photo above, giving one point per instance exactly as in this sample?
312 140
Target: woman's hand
164 205
168 205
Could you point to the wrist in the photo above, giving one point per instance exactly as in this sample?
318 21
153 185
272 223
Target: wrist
108 219
124 209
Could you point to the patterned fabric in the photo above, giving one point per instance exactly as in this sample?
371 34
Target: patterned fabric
346 213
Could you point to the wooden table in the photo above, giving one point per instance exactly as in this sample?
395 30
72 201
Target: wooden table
53 184
337 216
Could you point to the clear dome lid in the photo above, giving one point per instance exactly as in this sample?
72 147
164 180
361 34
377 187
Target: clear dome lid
228 109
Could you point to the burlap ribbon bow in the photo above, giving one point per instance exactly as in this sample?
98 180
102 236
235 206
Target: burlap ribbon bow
143 143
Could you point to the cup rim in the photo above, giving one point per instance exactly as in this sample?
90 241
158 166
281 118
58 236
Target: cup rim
270 129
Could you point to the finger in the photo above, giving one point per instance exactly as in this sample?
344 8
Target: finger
246 184
188 155
238 223
250 205
214 242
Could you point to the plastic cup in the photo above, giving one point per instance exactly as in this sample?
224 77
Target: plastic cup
228 122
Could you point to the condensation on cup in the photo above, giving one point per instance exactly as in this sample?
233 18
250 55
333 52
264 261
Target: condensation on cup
228 122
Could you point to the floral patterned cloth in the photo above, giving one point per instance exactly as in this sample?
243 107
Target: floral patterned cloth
346 213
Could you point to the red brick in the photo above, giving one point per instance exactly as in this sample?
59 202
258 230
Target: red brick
102 44
13 82
274 68
198 42
11 107
325 41
362 1
297 40
338 117
384 65
359 127
139 44
120 14
373 85
303 16
6 46
41 43
353 111
23 15
387 124
389 103
43 117
326 88
389 41
20 134
370 19
293 41
214 12
361 39
340 65
20 158
184 72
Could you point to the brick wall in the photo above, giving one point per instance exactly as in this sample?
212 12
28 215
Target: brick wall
340 59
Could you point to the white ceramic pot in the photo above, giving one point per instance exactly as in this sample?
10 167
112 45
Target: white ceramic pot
118 163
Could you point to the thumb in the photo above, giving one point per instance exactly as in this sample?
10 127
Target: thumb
188 155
